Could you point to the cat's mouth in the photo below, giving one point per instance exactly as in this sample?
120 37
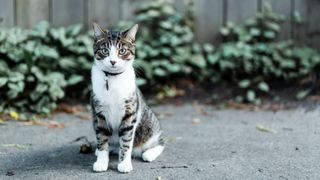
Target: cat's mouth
114 70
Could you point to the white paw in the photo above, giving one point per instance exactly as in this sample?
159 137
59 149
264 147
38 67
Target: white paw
100 166
125 166
152 154
96 152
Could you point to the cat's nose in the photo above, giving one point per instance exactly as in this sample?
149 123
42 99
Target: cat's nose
113 63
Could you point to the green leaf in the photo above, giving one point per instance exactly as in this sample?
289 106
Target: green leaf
302 94
251 95
213 58
224 31
255 32
15 77
244 83
3 81
74 79
288 64
141 82
159 72
74 30
269 34
263 86
208 48
273 26
297 17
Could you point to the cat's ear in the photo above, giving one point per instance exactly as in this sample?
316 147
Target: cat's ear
131 33
98 31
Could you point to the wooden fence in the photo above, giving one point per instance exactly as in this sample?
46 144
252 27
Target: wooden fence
210 15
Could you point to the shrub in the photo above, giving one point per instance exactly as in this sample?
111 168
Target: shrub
39 67
36 66
166 49
252 58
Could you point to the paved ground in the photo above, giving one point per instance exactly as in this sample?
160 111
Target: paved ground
225 145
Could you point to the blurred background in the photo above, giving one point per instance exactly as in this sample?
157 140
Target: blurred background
218 51
209 15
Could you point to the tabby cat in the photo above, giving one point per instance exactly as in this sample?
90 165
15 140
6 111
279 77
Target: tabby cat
123 122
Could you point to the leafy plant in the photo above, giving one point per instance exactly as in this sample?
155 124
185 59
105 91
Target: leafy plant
252 58
36 66
41 66
166 49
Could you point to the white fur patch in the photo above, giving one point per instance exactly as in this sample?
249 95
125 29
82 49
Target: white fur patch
121 87
153 153
125 166
102 161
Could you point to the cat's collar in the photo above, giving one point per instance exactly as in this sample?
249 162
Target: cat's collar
111 74
106 73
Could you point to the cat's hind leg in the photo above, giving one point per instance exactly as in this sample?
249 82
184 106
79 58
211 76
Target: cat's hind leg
152 153
153 148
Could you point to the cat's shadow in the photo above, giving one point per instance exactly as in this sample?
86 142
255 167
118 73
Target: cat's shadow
66 157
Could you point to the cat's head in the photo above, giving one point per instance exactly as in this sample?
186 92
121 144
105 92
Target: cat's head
114 51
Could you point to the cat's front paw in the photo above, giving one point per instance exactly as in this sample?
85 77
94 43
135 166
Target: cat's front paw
100 166
125 167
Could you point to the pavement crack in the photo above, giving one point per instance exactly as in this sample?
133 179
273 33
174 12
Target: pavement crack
171 167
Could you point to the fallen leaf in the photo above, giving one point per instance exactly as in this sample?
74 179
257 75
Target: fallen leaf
13 145
31 123
163 115
84 116
50 124
2 122
236 105
159 178
14 115
86 148
314 98
196 121
199 109
265 129
55 124
71 109
67 108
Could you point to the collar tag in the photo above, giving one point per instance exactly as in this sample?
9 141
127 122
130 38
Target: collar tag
106 73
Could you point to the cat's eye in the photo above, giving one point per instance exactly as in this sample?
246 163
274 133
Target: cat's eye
122 51
105 52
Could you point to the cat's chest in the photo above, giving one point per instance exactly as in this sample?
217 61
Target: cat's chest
116 94
112 97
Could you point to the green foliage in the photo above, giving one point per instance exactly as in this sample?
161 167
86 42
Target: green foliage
36 66
165 48
252 58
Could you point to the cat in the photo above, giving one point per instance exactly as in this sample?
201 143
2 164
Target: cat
122 121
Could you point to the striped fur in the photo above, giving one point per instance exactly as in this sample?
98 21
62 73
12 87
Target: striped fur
123 123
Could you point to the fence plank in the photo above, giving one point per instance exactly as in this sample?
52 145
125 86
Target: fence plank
282 7
30 12
299 30
128 7
313 33
237 11
208 22
7 14
106 13
67 12
180 5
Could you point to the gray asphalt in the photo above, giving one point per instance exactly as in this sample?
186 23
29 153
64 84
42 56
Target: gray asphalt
223 144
